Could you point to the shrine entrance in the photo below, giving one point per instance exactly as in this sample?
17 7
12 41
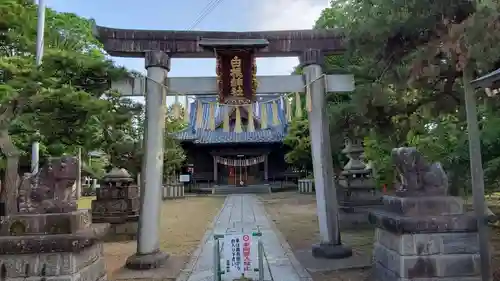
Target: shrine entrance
236 87
241 170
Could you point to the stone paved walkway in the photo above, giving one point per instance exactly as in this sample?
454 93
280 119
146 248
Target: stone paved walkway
245 213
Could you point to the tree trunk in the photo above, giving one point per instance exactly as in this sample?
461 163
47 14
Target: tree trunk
8 194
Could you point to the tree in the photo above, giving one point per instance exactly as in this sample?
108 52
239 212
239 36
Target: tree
126 146
299 142
66 99
408 58
123 133
61 99
64 31
174 155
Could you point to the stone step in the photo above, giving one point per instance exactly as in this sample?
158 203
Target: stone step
242 189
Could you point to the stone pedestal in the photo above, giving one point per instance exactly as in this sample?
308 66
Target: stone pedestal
117 203
54 246
357 192
425 238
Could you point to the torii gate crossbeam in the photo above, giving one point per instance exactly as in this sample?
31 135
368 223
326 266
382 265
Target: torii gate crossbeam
200 86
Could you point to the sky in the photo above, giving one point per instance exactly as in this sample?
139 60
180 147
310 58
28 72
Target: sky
229 15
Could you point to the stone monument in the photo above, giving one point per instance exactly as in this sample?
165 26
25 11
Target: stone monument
421 233
357 193
48 238
117 203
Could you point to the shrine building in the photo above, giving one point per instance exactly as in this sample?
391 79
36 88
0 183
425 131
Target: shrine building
235 134
243 145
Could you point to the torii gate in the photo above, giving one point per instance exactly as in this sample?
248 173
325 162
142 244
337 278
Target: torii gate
157 47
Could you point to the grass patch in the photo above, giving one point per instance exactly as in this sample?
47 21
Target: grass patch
183 224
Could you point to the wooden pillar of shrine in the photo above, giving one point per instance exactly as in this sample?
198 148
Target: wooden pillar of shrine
266 168
216 170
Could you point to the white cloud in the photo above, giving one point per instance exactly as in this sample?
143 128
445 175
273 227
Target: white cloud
283 15
286 14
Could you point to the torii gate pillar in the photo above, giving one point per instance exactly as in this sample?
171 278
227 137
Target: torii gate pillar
330 245
148 237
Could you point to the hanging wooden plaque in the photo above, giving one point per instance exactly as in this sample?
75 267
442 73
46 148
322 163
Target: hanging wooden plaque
236 76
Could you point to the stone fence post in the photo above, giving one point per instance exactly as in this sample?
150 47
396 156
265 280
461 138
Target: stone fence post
173 190
306 185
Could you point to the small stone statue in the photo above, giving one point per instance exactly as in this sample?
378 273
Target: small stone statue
416 176
54 191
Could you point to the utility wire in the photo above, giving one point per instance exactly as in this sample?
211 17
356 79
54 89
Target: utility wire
211 5
205 12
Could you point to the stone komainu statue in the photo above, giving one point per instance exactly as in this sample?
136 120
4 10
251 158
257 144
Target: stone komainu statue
416 176
53 193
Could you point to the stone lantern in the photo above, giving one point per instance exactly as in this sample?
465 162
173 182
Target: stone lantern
357 192
117 203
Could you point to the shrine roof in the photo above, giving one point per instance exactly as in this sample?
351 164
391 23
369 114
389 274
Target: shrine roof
220 137
204 135
486 80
